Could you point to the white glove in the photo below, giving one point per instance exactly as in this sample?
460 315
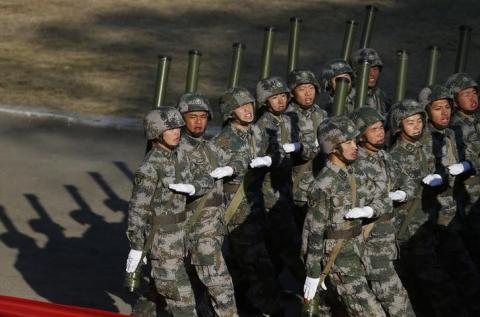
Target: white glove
433 180
291 147
133 260
262 161
183 188
398 195
359 212
221 172
310 287
459 168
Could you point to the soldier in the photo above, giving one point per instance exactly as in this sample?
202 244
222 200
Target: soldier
466 122
205 214
332 70
247 258
393 185
282 236
338 200
449 152
306 116
157 214
376 97
430 285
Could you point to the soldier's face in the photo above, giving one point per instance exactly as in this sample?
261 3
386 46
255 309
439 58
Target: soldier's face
171 137
467 99
304 94
373 76
244 113
196 122
345 75
349 150
439 112
412 127
375 134
278 103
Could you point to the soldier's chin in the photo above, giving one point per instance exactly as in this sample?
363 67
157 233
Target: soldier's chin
416 137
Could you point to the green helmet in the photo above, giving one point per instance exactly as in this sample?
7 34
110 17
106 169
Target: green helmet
404 109
334 131
368 54
159 120
460 81
364 117
298 77
232 99
269 87
334 68
194 101
430 94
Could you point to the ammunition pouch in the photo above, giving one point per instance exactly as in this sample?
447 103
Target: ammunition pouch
344 234
472 180
230 188
170 219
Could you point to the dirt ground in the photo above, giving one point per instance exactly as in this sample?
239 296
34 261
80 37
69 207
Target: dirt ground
100 56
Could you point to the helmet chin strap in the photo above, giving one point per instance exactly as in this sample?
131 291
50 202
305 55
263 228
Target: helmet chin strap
339 154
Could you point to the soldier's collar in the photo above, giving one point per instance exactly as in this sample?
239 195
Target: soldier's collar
337 169
467 118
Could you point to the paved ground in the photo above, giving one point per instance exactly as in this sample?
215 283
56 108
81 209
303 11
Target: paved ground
63 202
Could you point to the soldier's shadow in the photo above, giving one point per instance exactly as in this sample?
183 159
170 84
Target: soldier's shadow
81 271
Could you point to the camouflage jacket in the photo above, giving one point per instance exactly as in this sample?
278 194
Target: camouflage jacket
417 163
278 181
151 195
377 99
244 144
307 122
329 199
468 127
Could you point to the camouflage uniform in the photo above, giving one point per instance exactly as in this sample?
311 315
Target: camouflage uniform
154 207
334 192
332 69
206 229
282 236
380 245
247 258
376 97
468 126
423 272
306 121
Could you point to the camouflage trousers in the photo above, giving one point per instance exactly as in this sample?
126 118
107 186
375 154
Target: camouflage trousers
205 248
349 277
168 270
432 285
250 266
283 239
379 253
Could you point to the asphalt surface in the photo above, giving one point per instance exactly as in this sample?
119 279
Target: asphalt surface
64 191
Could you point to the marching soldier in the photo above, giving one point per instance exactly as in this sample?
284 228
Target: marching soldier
282 236
466 122
247 257
332 70
376 97
306 116
205 229
157 214
393 185
339 199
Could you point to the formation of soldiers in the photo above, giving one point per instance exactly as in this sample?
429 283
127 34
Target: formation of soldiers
375 211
